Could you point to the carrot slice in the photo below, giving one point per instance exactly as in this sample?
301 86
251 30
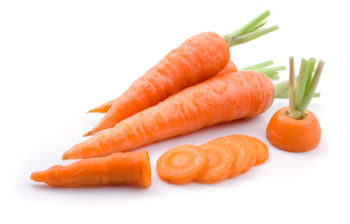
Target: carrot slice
220 161
181 164
244 156
259 148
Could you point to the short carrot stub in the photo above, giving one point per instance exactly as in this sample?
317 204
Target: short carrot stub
129 168
291 134
181 164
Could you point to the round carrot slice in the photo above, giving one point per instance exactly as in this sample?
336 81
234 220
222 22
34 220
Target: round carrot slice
258 147
220 161
244 156
181 164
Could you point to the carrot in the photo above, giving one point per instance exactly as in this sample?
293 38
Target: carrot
271 72
220 162
225 97
131 168
181 164
244 156
295 128
103 108
197 59
259 148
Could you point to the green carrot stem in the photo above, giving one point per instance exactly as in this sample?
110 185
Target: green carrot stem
250 25
291 84
271 69
250 31
260 24
310 67
257 66
312 87
301 83
249 36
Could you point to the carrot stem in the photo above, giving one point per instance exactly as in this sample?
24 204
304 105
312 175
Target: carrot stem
271 72
257 66
300 87
250 31
312 87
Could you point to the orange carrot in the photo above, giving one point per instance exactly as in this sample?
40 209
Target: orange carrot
103 108
225 97
197 59
181 164
220 162
294 128
259 148
130 168
271 72
244 156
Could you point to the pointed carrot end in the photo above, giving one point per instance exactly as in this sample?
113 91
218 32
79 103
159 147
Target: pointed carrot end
89 133
38 176
65 156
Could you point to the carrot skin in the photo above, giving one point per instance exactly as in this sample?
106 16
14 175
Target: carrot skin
103 108
130 168
293 135
225 97
197 59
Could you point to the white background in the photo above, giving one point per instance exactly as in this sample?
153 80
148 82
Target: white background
60 58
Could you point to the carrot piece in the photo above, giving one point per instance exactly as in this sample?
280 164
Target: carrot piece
295 128
291 134
220 162
259 148
225 97
197 59
244 157
130 168
181 164
103 108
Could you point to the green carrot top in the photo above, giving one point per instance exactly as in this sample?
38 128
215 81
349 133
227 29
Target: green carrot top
302 88
250 31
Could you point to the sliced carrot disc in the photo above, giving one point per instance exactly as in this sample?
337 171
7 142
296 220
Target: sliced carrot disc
244 156
220 161
258 147
181 164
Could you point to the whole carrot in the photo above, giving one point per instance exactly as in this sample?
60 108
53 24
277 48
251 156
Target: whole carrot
197 59
222 98
264 67
295 128
130 168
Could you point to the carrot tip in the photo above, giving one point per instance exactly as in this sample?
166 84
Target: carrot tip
65 156
89 133
37 176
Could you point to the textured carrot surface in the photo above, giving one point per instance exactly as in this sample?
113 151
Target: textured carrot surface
198 58
103 108
225 97
130 168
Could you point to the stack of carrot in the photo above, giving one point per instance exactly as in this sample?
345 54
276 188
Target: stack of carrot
220 158
194 86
